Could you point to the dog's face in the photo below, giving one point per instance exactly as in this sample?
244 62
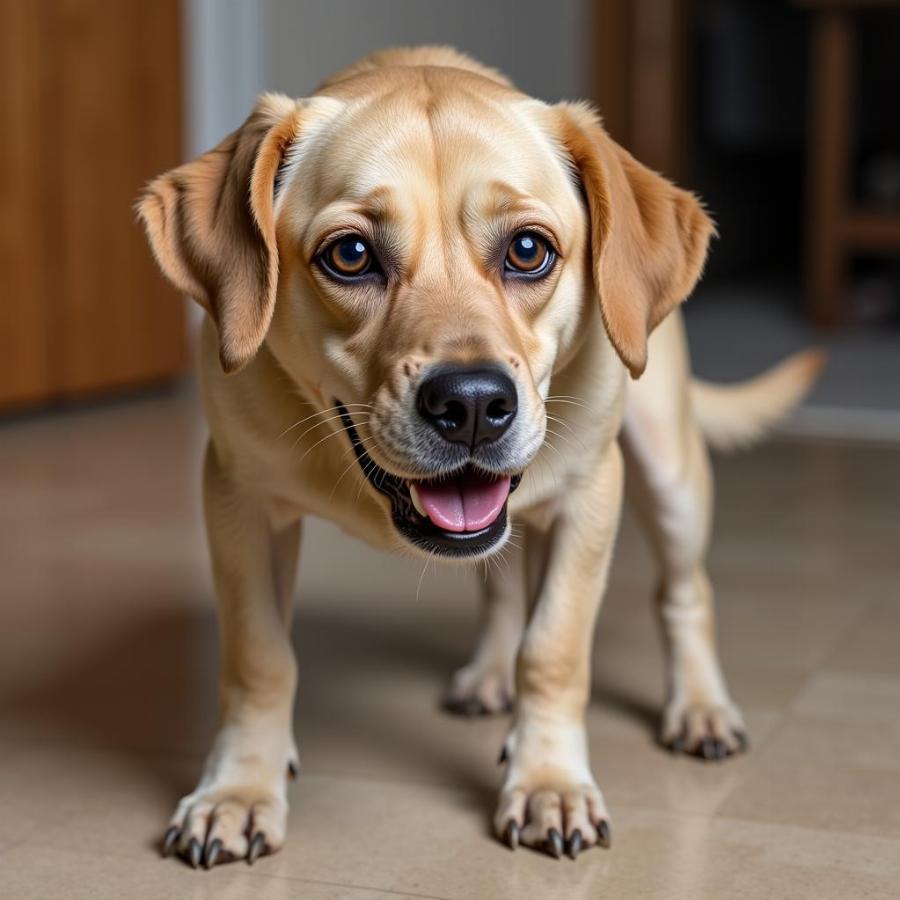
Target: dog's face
421 261
437 243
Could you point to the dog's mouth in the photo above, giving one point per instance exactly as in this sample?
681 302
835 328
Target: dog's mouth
459 514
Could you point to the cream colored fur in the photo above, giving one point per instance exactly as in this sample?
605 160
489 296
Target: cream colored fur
444 154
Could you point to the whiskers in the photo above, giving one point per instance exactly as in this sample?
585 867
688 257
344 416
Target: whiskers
428 562
365 443
570 439
322 412
326 417
567 398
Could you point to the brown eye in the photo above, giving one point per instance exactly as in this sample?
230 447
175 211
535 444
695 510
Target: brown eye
348 257
528 254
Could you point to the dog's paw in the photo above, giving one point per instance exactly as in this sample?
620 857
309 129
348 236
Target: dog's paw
550 801
709 731
554 818
223 823
239 808
479 690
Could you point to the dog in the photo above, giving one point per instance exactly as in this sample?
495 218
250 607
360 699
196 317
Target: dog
407 276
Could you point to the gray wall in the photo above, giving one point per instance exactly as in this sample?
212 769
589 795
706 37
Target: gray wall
540 44
237 48
225 45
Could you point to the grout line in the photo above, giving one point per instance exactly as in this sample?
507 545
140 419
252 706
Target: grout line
757 748
841 638
342 884
788 709
252 872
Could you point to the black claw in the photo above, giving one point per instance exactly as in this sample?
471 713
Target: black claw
555 843
708 748
678 744
743 741
576 842
604 835
292 769
721 749
168 844
511 836
465 706
472 707
503 757
194 852
257 847
212 853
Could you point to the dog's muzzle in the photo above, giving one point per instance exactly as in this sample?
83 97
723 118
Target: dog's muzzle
463 513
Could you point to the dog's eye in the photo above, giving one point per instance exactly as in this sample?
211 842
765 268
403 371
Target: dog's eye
528 254
348 257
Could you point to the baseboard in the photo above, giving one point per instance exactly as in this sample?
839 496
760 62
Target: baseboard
843 423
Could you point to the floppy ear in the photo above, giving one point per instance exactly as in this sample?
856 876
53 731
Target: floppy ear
648 237
211 226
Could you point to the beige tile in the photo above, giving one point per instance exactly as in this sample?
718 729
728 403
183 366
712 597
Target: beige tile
30 874
635 771
436 838
24 810
808 741
656 855
841 720
56 789
781 625
873 647
856 800
415 838
753 860
97 677
851 698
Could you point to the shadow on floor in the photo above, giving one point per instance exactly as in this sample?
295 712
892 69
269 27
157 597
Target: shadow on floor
148 690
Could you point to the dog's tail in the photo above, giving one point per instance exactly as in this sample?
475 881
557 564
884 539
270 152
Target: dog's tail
736 415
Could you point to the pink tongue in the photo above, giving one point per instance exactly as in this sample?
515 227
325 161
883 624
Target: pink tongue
468 503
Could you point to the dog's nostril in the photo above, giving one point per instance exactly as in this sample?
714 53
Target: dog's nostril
454 414
498 410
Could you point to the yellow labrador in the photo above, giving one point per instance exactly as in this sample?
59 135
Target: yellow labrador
406 275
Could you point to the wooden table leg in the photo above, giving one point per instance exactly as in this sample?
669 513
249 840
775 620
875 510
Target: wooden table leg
831 90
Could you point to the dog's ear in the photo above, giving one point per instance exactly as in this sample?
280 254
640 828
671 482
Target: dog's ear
648 237
211 225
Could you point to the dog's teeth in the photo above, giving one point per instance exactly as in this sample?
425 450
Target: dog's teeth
417 500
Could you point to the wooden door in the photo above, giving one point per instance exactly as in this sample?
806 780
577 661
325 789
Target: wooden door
90 98
640 61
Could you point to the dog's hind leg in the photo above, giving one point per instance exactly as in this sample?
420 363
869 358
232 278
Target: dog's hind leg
239 808
485 685
670 478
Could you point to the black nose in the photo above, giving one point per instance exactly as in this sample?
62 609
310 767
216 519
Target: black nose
469 405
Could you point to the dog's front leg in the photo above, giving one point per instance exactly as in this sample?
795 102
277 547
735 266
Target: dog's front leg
239 808
549 799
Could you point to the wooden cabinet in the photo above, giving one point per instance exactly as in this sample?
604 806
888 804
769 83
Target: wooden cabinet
91 108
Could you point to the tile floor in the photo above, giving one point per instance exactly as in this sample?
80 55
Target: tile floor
107 659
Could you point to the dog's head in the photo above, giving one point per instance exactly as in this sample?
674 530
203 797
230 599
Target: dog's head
422 248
